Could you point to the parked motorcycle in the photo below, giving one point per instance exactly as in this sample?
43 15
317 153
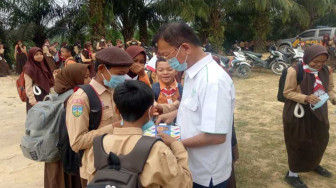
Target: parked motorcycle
275 61
294 55
239 65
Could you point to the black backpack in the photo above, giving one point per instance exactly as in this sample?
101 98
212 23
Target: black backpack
120 171
157 90
70 159
282 81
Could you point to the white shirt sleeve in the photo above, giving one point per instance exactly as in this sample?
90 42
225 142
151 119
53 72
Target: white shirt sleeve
217 107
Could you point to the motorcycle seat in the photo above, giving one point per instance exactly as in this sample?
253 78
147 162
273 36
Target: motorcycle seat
256 54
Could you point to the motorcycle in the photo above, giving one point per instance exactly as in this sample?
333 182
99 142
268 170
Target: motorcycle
239 65
294 55
275 61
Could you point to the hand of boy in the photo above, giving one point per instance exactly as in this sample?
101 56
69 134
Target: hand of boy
168 140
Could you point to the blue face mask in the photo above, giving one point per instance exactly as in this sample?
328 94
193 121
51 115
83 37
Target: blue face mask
150 123
323 99
115 80
312 69
175 64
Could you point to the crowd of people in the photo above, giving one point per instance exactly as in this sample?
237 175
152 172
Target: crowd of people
185 87
131 97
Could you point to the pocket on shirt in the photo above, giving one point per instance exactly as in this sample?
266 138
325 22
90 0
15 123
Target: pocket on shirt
107 114
191 103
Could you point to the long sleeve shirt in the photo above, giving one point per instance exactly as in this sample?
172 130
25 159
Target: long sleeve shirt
292 90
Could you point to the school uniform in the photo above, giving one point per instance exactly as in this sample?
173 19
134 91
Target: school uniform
207 106
165 167
78 109
311 132
144 79
168 93
78 124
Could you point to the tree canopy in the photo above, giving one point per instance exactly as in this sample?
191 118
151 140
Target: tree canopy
219 21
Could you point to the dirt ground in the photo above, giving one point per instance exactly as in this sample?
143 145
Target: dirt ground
262 162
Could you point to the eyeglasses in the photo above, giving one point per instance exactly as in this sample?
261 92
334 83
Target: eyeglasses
166 57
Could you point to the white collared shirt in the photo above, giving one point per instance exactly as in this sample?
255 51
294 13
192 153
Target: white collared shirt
127 77
207 106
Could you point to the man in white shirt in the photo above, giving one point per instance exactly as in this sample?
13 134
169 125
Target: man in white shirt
206 110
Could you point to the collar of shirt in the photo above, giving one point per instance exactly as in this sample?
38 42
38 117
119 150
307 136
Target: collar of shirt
198 66
98 87
129 78
172 85
127 131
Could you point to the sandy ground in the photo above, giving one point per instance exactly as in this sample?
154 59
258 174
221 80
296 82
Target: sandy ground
16 170
262 162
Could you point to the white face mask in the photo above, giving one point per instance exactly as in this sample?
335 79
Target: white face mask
103 40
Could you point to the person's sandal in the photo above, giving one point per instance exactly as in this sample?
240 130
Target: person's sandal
295 182
323 172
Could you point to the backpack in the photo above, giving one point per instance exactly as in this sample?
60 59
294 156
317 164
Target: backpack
120 171
157 90
282 81
71 160
20 86
42 122
78 58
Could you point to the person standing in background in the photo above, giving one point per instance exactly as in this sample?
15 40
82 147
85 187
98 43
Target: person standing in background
38 77
87 57
48 56
4 68
20 55
101 44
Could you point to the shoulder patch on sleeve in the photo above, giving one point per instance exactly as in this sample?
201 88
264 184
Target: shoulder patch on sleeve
77 110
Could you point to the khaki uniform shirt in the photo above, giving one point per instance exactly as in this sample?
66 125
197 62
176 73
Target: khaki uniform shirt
29 88
165 167
77 121
292 90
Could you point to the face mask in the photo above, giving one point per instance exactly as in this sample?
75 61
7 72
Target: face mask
312 69
150 123
323 99
175 64
102 40
115 80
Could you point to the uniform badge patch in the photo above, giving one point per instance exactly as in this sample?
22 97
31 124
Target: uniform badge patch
77 110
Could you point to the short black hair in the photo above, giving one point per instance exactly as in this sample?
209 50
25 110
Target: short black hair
176 33
158 60
132 99
97 63
69 49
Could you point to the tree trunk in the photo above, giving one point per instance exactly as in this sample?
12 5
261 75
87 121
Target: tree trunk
97 18
143 31
262 28
39 35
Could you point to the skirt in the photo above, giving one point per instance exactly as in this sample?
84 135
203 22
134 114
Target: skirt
306 138
20 62
4 68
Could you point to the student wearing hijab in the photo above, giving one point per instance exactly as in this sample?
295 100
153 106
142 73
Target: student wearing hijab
87 57
137 70
69 77
307 130
4 68
20 55
38 77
